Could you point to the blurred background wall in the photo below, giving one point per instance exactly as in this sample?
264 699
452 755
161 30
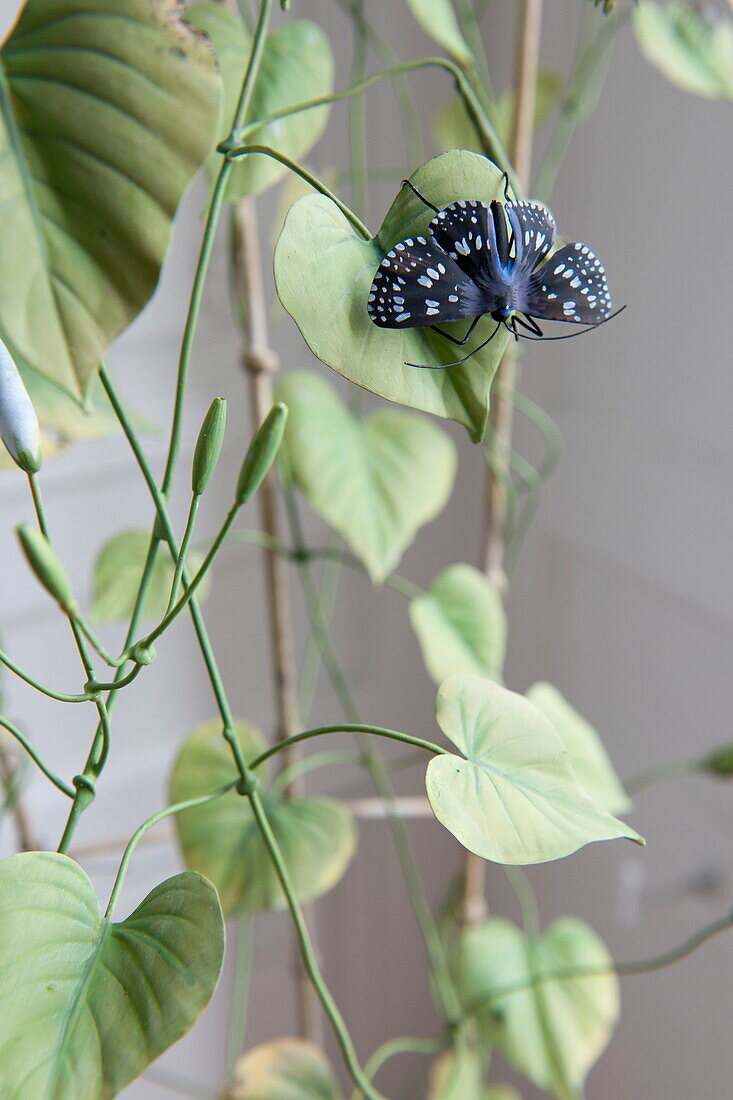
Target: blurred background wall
623 597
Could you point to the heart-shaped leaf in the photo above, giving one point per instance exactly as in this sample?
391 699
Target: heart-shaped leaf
87 1004
551 1029
296 65
107 108
438 20
287 1069
691 46
221 839
460 624
374 481
515 798
324 270
587 755
118 570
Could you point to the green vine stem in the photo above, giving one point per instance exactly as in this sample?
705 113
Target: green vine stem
185 544
59 696
401 1045
260 363
389 59
493 145
309 957
348 727
36 757
443 983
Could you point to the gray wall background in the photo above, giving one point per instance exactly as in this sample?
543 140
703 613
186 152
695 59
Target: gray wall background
623 597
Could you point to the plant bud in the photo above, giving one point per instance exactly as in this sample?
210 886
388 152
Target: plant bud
261 453
18 422
208 445
720 762
44 562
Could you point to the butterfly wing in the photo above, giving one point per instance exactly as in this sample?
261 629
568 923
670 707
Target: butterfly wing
462 229
534 232
571 286
417 283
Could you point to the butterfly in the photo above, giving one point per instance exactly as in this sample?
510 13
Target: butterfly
479 259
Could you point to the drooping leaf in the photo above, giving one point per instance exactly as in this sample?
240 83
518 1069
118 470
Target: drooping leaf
221 839
296 65
107 108
514 798
552 1029
287 1069
588 756
117 573
438 19
88 1004
457 1075
460 624
374 481
324 270
692 46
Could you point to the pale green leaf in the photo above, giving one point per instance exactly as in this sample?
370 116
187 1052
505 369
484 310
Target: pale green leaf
438 20
552 1029
457 1075
588 756
375 481
692 47
107 108
87 1004
287 1069
460 624
296 65
514 798
118 570
221 839
500 1092
324 270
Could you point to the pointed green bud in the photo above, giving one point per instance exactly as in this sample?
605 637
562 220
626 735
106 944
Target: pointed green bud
261 453
18 422
720 763
208 445
45 563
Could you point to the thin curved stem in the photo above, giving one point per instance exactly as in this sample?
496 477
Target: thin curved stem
166 531
491 140
347 727
309 957
207 244
59 696
238 151
140 832
185 543
525 895
388 57
36 758
660 773
638 966
401 1045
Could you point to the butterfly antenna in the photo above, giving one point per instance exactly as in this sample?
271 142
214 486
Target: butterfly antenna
580 332
406 183
440 366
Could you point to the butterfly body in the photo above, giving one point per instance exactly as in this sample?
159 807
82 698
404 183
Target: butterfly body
479 259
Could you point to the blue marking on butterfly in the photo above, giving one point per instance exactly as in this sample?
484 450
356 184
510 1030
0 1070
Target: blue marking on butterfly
479 259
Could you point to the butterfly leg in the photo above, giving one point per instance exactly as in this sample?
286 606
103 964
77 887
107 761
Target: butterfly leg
506 187
421 197
453 339
440 366
529 323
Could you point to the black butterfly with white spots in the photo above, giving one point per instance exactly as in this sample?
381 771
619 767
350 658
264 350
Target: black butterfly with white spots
479 259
